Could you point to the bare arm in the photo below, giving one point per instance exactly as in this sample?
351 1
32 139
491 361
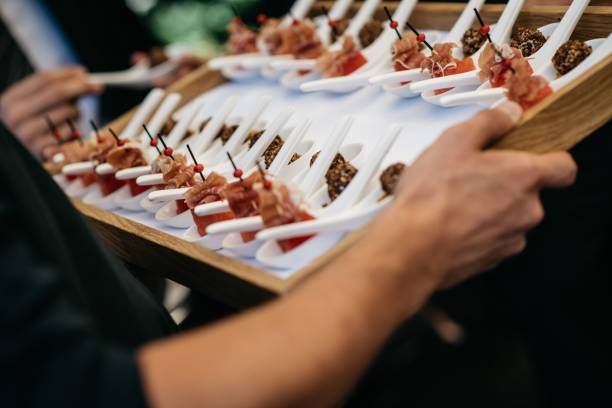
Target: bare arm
459 210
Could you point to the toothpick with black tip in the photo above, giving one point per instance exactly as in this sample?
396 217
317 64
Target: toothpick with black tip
266 183
392 23
53 130
237 172
120 142
99 137
153 142
167 149
420 36
484 30
330 21
236 15
198 167
76 134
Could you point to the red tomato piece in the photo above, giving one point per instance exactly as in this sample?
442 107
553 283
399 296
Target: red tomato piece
289 244
89 178
353 64
544 92
181 207
135 189
202 222
248 236
109 184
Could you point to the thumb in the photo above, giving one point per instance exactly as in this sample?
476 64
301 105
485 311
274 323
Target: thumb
490 125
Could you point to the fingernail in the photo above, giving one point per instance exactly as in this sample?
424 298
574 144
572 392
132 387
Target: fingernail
512 109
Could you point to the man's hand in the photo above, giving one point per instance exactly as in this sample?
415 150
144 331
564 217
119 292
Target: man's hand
469 208
51 93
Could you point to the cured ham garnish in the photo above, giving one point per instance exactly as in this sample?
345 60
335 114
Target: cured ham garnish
278 206
342 62
75 151
270 36
441 60
126 156
524 88
496 68
406 54
300 40
208 191
101 149
178 173
243 200
242 39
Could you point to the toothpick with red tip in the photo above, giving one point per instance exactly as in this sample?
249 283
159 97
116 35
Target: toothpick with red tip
237 172
392 23
420 36
99 137
198 167
330 21
167 149
120 142
153 142
266 183
484 30
76 134
261 19
53 129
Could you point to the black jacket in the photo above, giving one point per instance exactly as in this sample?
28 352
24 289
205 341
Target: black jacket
70 314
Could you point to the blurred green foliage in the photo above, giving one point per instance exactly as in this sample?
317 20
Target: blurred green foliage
199 24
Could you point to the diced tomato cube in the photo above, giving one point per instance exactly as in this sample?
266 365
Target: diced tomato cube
181 206
202 222
109 184
135 189
354 64
89 178
248 236
289 244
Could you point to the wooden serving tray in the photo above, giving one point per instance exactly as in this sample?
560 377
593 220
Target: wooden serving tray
558 123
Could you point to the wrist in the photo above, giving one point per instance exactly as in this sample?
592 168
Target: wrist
394 255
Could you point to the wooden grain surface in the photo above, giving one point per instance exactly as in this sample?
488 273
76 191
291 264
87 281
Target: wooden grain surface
559 122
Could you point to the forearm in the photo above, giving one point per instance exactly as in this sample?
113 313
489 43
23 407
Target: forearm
307 349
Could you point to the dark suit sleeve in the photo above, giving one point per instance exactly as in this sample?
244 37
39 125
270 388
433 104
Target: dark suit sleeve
50 353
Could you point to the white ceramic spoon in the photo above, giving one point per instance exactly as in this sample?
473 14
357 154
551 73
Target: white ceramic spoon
281 158
176 134
299 10
491 95
314 175
395 79
541 59
373 54
337 11
361 18
499 35
141 75
155 125
142 113
348 198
